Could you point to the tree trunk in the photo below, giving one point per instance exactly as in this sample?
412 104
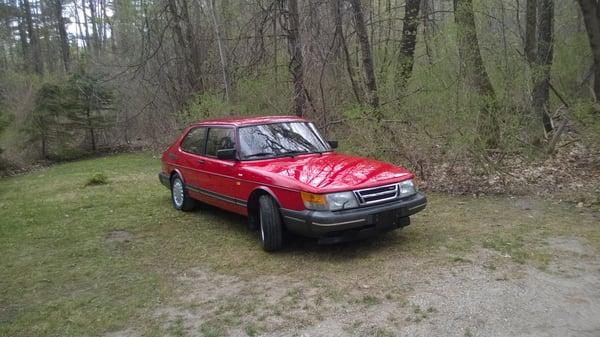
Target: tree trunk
104 23
545 55
183 46
36 51
407 45
530 30
275 65
365 49
222 52
297 60
62 32
591 17
193 51
339 32
94 19
91 129
23 39
472 64
85 25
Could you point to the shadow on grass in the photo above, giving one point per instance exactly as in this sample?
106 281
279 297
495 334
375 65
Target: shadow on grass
235 225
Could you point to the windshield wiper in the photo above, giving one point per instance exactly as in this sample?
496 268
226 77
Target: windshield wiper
260 154
276 155
293 153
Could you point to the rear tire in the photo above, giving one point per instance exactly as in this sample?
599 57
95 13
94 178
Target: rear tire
271 227
179 195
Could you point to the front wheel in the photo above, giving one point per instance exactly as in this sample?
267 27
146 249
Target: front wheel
179 195
271 228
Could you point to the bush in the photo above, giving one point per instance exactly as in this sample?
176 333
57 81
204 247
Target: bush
97 179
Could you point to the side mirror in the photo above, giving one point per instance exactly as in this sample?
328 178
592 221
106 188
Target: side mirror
333 143
226 154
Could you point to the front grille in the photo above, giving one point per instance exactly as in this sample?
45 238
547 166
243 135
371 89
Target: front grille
377 195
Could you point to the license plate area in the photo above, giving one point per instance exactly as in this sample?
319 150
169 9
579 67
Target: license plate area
387 218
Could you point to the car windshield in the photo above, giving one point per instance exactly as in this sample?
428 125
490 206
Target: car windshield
280 139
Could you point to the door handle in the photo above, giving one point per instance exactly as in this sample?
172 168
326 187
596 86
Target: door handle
200 161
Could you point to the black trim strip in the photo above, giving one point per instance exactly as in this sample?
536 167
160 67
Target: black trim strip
238 202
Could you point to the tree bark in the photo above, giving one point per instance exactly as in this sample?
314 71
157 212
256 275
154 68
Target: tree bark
297 59
472 64
339 32
530 30
85 25
91 129
94 19
407 45
193 51
365 50
23 39
104 22
62 32
222 52
34 41
544 58
185 46
591 18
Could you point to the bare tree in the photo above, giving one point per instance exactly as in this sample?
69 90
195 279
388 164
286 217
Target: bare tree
530 30
187 51
365 50
296 57
23 39
34 41
222 50
407 45
94 22
339 34
544 58
591 17
472 65
62 32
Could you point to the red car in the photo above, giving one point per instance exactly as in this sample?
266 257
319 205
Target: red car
282 175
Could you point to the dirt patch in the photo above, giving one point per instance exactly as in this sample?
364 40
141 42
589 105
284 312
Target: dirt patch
118 236
570 245
410 298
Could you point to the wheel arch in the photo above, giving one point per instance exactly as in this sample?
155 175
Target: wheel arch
253 205
174 172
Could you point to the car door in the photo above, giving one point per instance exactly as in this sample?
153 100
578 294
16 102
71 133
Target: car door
221 181
191 159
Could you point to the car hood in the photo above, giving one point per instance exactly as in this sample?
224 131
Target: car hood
329 172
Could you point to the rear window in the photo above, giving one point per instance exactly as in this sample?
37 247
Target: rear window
194 141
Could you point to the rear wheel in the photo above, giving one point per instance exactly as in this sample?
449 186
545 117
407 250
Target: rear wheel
179 195
271 228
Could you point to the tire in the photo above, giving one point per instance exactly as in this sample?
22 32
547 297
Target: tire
271 227
179 195
253 221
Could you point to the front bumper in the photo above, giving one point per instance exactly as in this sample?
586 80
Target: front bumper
355 223
164 179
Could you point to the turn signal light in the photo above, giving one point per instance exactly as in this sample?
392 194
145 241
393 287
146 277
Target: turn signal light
314 199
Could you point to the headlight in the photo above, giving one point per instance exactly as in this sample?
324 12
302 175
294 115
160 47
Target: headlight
407 188
329 202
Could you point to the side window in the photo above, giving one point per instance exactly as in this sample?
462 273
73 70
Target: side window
194 141
219 139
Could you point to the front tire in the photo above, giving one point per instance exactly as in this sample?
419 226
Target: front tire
271 227
179 196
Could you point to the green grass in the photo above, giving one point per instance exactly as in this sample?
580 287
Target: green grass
63 274
97 179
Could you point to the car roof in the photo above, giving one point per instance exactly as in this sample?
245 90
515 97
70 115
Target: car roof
242 121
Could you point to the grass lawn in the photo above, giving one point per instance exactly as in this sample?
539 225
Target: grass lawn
80 260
